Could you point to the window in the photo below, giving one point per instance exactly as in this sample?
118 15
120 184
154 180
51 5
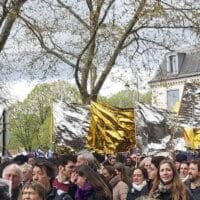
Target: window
172 64
172 98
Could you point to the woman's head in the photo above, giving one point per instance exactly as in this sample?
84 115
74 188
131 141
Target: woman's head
168 175
108 172
184 167
139 175
166 172
153 168
120 170
85 174
33 191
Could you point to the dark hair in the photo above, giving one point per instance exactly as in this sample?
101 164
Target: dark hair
156 160
47 166
196 162
121 168
64 159
94 179
110 169
38 187
185 162
143 170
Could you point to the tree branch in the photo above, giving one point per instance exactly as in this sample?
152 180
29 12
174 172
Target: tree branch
81 89
118 49
74 14
39 36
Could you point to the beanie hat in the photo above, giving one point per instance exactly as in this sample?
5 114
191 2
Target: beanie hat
181 157
156 160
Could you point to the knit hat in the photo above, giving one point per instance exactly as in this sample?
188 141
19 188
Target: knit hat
156 160
181 157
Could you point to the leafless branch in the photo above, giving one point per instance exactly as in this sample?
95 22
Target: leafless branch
33 28
88 44
74 14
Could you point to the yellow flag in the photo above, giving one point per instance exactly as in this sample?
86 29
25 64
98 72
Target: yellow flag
111 129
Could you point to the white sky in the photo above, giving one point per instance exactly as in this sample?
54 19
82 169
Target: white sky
20 89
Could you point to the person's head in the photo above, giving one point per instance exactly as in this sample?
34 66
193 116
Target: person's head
44 173
179 159
146 162
26 172
66 165
108 172
184 167
85 158
31 160
139 175
194 171
153 168
129 161
55 156
13 173
33 191
121 172
167 172
86 174
134 157
168 175
112 160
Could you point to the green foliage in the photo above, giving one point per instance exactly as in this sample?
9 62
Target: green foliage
30 122
127 98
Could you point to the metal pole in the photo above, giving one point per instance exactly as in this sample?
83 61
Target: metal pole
4 134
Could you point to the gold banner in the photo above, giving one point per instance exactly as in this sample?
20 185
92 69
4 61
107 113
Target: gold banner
111 129
192 137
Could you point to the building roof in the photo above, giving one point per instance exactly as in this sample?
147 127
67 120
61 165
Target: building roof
189 65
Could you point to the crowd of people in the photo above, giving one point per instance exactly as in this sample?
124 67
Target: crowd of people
87 176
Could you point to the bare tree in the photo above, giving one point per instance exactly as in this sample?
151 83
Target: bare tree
92 37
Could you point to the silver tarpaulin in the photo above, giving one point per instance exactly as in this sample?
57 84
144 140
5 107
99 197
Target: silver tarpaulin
71 124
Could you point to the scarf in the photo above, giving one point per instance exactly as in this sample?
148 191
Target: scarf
114 181
164 188
183 179
84 192
138 187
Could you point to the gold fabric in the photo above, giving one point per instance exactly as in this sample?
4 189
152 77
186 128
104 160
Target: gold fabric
192 137
111 129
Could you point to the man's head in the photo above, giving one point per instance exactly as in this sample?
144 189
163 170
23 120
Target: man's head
44 173
13 173
194 171
85 158
112 160
66 165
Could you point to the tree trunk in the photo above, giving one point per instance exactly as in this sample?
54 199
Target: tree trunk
8 21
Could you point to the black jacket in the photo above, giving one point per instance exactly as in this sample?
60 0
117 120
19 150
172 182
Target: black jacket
97 195
133 193
53 195
167 195
194 192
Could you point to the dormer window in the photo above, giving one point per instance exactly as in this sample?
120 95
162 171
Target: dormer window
172 64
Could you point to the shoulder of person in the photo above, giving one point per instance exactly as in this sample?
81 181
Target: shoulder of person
63 196
97 195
